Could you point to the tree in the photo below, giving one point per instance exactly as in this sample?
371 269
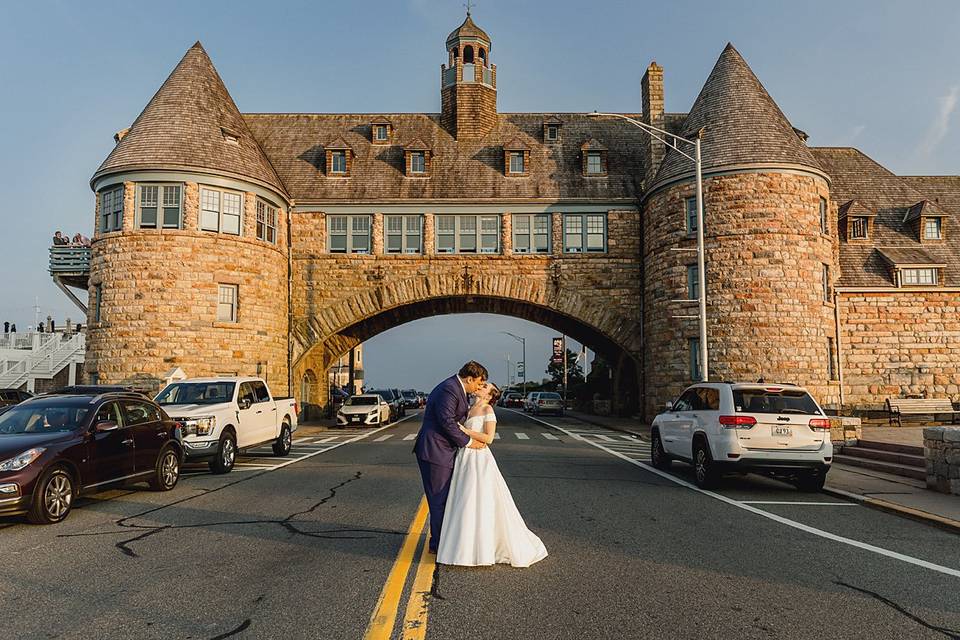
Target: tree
574 371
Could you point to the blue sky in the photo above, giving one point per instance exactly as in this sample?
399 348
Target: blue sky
878 75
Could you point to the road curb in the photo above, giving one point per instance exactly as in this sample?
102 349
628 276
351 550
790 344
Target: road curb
883 505
597 423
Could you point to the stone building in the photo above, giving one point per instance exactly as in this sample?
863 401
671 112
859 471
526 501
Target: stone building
272 244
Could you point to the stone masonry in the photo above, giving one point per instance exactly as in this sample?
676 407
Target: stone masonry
941 446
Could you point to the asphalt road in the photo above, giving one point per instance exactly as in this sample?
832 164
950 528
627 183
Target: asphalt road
307 547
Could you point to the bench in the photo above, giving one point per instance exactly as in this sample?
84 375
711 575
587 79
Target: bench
917 406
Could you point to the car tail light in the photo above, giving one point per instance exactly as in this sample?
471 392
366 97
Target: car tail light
738 422
296 408
820 424
542 401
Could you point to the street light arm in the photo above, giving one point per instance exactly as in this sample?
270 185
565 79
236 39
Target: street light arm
651 131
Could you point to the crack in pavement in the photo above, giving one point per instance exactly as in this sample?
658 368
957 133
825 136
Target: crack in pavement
949 633
243 627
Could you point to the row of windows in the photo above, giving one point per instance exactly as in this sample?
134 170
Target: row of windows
468 233
161 206
860 228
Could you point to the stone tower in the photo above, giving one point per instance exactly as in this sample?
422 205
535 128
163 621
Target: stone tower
770 260
468 83
189 258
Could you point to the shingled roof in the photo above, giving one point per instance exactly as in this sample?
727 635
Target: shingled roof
468 29
186 125
743 124
855 176
459 170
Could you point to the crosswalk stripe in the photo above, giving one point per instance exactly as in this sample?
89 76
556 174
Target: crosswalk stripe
603 437
522 436
631 438
410 436
386 437
549 436
327 439
496 436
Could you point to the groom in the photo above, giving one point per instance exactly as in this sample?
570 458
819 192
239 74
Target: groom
440 437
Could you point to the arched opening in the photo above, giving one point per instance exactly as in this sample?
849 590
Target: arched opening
468 54
456 52
308 395
614 386
483 56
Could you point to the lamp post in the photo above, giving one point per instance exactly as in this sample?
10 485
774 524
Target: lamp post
522 341
665 137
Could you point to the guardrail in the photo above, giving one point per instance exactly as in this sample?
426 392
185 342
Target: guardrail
69 259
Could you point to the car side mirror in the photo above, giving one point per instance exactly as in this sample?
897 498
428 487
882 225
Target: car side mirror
669 406
106 425
244 403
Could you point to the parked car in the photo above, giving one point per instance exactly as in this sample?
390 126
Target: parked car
223 416
396 405
775 429
403 405
410 399
512 400
9 397
529 401
56 447
547 402
364 409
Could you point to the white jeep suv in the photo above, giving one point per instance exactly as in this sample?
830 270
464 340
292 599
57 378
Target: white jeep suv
776 429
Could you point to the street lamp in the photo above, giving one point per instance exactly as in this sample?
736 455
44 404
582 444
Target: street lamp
522 341
664 136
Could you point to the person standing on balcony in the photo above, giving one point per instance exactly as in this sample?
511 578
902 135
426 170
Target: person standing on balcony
59 240
6 327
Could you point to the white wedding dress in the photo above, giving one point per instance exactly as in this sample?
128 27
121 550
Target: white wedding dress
481 524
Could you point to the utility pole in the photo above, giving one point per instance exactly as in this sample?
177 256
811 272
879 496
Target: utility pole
564 370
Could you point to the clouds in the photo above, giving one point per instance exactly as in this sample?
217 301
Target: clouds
940 126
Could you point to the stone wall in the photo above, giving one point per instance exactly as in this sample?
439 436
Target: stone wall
767 316
899 344
342 299
159 301
941 446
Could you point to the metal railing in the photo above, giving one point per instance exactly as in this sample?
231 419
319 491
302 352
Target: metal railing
52 353
69 259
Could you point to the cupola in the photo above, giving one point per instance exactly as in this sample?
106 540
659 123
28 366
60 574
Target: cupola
468 83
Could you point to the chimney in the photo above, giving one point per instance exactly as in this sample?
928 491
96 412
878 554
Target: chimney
651 88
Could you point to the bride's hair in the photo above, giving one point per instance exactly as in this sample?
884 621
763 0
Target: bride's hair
495 393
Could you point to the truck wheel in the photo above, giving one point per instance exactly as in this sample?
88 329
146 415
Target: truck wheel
226 454
166 474
284 442
52 498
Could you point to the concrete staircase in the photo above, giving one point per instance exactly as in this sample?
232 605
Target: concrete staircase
896 459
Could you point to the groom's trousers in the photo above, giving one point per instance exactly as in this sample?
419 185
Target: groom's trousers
436 486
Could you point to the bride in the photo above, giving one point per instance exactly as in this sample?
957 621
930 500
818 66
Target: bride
481 525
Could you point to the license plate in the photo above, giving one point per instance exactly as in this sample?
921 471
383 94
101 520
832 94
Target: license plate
782 431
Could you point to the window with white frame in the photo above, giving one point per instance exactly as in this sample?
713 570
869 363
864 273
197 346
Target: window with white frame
403 234
418 162
691 216
584 232
594 162
693 346
516 162
227 295
826 283
553 132
380 132
266 221
159 204
823 215
858 229
348 234
111 209
531 233
918 277
693 282
932 229
468 234
338 162
220 210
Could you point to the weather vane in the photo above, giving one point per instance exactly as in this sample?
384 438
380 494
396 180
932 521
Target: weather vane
469 5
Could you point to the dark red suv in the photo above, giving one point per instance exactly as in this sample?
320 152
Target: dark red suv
56 447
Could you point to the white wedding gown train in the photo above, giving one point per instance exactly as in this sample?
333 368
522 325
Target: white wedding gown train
481 524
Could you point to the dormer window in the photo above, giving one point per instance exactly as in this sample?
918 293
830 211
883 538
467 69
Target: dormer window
551 130
417 159
855 220
932 229
917 277
859 229
516 158
230 136
594 158
339 159
380 131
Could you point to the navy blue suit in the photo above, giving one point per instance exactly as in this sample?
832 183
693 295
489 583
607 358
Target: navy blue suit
436 447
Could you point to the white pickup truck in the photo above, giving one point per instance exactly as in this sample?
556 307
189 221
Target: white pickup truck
218 417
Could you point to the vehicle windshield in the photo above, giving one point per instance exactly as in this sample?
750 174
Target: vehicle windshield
361 401
196 393
550 396
386 394
766 401
43 418
409 394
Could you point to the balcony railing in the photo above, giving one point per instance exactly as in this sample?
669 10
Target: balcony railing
69 260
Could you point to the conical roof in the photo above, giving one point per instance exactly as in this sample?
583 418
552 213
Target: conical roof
743 124
468 29
192 123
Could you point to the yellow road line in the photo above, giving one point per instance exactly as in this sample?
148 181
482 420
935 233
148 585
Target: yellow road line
418 607
385 614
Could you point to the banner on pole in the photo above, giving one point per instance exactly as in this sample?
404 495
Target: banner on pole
558 351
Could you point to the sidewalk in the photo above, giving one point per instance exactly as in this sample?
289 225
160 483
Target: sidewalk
903 496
